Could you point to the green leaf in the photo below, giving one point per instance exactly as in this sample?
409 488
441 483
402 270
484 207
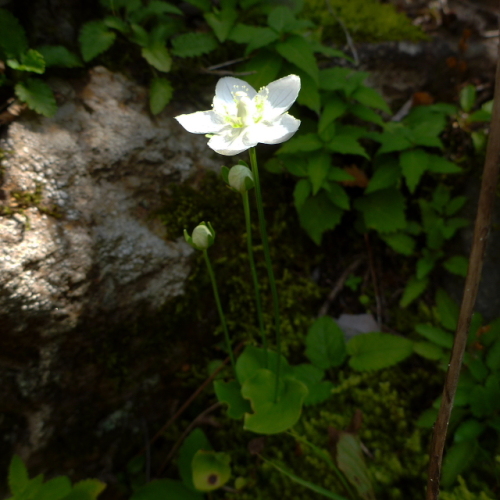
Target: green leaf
436 335
393 140
157 55
211 470
296 50
13 39
334 78
32 61
301 144
266 66
318 165
193 44
400 242
414 288
365 113
457 264
447 310
262 38
338 174
383 210
221 23
160 94
301 192
493 357
425 265
428 350
439 165
413 165
458 458
230 393
428 418
155 8
334 108
370 97
203 5
271 416
386 176
467 97
54 489
91 487
303 482
18 476
467 430
195 441
281 19
57 55
325 344
95 38
117 24
37 95
337 195
312 377
423 135
252 359
376 350
350 461
165 488
455 205
318 214
347 145
140 36
309 94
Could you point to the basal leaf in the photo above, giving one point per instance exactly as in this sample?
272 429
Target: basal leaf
13 39
31 61
413 164
312 377
374 351
160 94
325 344
57 55
252 359
193 44
37 95
158 56
195 441
296 50
95 38
210 470
230 393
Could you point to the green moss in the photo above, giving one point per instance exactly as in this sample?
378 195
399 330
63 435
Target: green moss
365 20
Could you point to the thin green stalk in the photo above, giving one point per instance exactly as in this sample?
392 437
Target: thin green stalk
267 257
258 300
219 308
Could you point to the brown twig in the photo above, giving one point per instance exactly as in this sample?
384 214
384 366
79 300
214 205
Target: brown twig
481 230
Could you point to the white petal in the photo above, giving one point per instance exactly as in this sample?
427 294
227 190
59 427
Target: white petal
274 133
282 94
202 122
231 143
226 87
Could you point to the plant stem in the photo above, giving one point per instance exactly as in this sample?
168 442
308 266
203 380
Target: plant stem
219 308
481 230
258 300
267 257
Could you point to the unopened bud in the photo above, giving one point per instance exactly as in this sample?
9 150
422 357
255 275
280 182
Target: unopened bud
240 178
203 236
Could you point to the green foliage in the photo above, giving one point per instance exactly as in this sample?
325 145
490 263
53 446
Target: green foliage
22 487
461 492
37 95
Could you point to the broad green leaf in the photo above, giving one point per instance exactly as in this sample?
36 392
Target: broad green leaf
413 164
334 78
470 429
436 335
455 205
423 135
439 165
428 418
252 359
370 97
414 288
325 344
376 350
386 176
309 94
140 36
54 489
271 416
266 66
479 116
262 38
400 242
158 56
160 94
296 50
18 478
447 310
350 461
301 144
458 458
319 48
312 377
31 61
165 488
95 38
230 393
211 470
318 165
334 108
347 145
457 264
428 350
280 19
301 192
395 140
303 482
467 97
243 33
221 23
365 113
117 24
337 195
13 39
195 441
57 55
425 265
383 210
37 95
318 214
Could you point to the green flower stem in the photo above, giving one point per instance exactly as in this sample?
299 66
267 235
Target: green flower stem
219 308
267 257
258 300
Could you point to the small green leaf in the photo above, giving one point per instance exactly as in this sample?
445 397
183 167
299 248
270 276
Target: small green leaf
365 113
455 205
13 39
436 335
297 51
334 78
95 38
301 144
54 489
160 94
157 55
312 377
195 441
211 470
203 5
470 429
400 242
89 487
301 192
325 344
221 23
165 488
281 19
370 97
395 140
493 357
467 97
347 145
32 61
413 164
262 37
428 418
57 55
265 66
18 476
447 310
117 24
414 288
193 44
252 359
439 165
457 459
376 350
457 264
318 165
334 108
337 195
37 95
387 175
309 94
230 393
428 350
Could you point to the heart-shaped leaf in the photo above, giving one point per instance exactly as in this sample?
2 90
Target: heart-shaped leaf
230 393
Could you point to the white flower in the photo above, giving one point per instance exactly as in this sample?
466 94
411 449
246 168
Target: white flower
242 117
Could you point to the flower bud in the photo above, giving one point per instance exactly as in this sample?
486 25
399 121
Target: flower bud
202 238
240 178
